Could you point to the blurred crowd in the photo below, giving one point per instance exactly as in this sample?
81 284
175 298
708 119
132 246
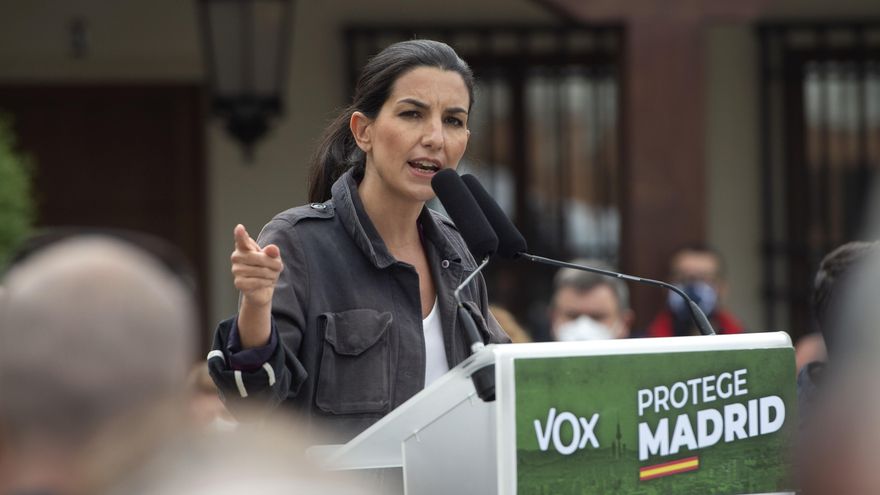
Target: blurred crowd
99 391
101 395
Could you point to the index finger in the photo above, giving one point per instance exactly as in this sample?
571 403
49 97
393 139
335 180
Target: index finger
243 241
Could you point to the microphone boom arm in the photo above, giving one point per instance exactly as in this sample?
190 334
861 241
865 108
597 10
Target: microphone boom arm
470 325
483 378
699 317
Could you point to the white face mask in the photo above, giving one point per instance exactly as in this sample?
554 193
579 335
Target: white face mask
583 328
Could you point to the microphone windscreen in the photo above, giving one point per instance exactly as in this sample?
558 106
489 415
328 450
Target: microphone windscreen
510 241
465 214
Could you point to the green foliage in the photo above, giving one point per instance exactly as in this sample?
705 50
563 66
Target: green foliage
16 200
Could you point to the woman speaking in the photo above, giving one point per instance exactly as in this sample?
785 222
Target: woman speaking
347 307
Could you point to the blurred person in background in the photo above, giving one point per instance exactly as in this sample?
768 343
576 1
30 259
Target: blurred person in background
809 348
249 460
205 407
837 452
518 334
698 270
589 306
830 296
95 339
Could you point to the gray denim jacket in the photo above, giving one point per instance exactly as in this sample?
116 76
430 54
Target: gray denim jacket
348 315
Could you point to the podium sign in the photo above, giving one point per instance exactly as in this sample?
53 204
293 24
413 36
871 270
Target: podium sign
685 423
684 415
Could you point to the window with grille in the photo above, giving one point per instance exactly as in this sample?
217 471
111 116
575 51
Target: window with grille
820 131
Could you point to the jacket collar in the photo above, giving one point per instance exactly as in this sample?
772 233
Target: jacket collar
351 213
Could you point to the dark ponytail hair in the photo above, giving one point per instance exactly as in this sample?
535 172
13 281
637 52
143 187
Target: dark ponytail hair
338 151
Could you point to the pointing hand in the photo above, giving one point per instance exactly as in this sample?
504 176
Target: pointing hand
255 269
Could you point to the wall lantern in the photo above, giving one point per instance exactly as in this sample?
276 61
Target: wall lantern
246 46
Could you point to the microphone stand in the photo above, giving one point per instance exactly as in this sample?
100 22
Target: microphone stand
696 313
483 378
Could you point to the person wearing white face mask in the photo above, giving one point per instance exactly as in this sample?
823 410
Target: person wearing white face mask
588 306
584 328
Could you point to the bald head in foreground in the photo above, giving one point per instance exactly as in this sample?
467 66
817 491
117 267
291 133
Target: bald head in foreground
95 334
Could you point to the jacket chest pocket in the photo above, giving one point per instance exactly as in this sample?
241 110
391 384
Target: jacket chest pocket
355 367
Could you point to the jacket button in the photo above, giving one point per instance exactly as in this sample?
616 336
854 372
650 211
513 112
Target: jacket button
444 263
408 374
318 206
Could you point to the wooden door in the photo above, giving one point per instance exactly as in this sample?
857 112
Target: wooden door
120 157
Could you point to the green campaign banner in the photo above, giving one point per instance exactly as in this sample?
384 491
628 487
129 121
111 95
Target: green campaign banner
713 422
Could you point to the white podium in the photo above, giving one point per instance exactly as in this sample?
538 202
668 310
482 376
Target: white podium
448 441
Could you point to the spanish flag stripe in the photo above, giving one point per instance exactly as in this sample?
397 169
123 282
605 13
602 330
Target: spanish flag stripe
670 463
645 477
669 468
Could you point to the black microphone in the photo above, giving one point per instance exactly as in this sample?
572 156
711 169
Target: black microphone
477 234
482 242
465 214
514 246
510 242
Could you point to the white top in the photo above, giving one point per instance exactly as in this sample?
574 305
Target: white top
435 352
